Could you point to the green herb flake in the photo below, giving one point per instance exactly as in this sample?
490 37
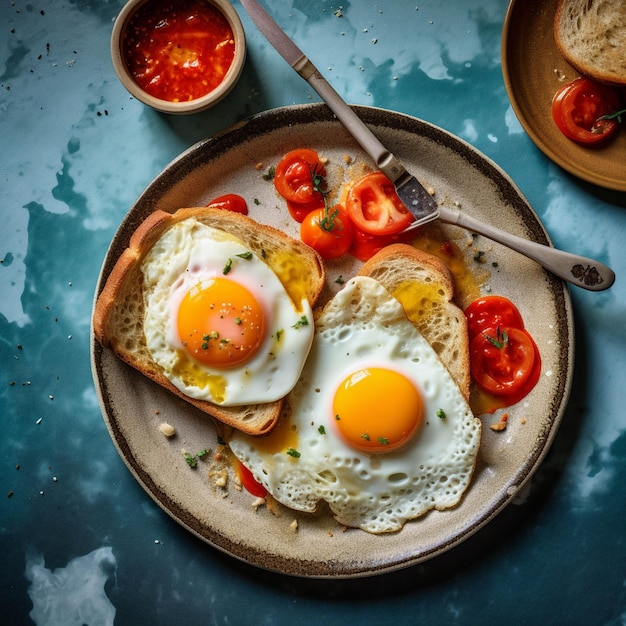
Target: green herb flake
303 321
365 436
383 441
321 430
190 459
257 201
269 174
228 267
245 255
339 280
202 453
337 418
441 414
479 256
279 334
293 453
238 321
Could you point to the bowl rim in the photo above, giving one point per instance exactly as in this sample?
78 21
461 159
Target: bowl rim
190 106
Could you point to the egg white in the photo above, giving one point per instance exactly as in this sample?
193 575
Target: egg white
191 252
365 326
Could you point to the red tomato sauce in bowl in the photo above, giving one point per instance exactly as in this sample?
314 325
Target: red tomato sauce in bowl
178 50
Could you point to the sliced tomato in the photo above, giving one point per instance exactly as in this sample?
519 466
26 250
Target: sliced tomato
230 202
248 481
502 359
365 246
374 206
299 210
491 312
299 175
328 231
577 109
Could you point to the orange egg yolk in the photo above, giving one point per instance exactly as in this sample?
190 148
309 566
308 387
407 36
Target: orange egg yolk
377 410
220 323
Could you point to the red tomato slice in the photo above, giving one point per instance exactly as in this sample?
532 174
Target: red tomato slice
374 206
299 210
502 359
328 231
365 246
294 176
248 481
230 202
578 106
491 312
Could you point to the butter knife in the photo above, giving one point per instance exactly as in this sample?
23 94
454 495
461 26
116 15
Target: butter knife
578 270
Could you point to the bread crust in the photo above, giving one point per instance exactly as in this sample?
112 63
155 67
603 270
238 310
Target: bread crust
591 36
424 285
118 311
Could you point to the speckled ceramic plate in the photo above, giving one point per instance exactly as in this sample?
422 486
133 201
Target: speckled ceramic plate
533 71
133 407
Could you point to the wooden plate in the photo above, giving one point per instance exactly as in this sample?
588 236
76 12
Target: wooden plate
533 71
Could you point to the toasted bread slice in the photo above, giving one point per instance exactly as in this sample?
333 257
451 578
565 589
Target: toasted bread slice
425 287
119 309
591 36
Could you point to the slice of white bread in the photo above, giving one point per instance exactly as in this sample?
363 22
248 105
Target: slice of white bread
424 286
591 36
119 308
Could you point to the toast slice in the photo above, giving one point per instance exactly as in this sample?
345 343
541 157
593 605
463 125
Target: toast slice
591 36
119 308
425 287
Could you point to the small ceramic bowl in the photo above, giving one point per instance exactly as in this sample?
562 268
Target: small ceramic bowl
167 68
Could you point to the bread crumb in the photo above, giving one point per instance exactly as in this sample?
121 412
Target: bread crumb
294 526
501 425
259 166
257 503
167 429
347 159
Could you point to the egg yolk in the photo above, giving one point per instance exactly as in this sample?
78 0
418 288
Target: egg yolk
377 410
220 323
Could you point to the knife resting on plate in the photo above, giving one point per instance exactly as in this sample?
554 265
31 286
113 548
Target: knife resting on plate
576 269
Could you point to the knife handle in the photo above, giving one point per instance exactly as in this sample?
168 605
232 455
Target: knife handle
384 160
578 270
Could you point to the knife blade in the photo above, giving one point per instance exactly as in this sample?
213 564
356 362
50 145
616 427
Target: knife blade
578 270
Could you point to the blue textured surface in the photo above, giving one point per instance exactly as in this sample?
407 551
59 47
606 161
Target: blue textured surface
77 150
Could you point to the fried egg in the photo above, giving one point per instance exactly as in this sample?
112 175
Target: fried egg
218 321
375 426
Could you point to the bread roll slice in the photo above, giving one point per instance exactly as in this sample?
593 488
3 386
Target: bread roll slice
425 287
119 308
591 36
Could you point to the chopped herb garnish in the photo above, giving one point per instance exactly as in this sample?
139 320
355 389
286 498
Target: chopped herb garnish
339 280
224 341
228 266
190 459
365 436
321 430
337 418
478 256
441 414
383 441
238 321
257 201
245 255
303 321
279 334
220 441
501 339
269 174
293 453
